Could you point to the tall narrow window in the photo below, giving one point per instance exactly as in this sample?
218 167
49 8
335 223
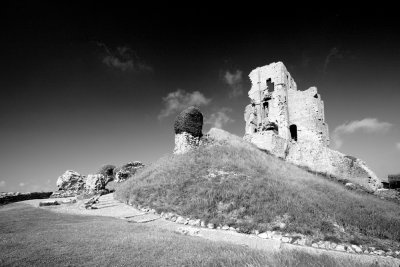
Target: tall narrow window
293 132
270 85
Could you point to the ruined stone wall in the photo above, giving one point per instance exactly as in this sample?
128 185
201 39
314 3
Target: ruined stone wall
317 158
275 99
276 105
306 111
268 140
269 99
322 159
185 142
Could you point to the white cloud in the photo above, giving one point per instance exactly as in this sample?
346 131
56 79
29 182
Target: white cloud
234 80
180 99
369 125
124 59
22 184
334 53
2 183
219 118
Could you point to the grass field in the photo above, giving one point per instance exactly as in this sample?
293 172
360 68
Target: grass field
36 237
255 190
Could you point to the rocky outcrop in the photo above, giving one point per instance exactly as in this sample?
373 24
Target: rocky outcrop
95 182
69 184
71 181
127 171
188 130
10 197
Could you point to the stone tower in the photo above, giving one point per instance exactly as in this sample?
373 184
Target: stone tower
290 124
277 106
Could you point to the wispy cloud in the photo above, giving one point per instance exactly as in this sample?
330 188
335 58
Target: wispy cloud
124 59
2 183
369 125
235 82
220 118
334 53
178 100
22 184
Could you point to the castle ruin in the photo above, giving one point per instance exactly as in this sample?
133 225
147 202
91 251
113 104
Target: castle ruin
290 124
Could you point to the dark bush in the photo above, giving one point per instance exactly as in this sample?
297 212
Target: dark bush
191 121
107 171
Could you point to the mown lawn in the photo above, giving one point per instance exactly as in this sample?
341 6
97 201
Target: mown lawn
255 189
36 237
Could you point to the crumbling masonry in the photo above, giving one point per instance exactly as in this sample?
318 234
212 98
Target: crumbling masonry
291 124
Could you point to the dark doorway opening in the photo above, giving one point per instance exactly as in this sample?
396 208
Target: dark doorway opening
270 85
293 132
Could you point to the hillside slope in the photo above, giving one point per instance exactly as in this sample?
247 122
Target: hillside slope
229 181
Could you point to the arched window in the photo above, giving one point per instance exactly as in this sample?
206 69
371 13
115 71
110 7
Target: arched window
293 132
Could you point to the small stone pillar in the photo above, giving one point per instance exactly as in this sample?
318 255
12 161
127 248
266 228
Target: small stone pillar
188 130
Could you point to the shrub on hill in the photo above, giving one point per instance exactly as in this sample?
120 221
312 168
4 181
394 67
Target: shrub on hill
191 121
107 171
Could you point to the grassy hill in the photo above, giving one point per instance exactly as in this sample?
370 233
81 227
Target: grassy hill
229 181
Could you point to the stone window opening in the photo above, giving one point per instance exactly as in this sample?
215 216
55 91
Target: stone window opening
293 132
270 85
316 96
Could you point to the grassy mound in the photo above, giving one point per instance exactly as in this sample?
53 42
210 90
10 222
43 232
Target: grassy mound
231 182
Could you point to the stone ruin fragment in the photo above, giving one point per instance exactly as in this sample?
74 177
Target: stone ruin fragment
71 183
188 130
291 125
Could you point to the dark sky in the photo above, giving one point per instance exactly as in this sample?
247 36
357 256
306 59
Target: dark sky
87 85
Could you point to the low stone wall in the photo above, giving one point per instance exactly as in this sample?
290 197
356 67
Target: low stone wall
16 196
317 158
291 238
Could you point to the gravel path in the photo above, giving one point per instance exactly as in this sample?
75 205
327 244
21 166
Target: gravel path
110 207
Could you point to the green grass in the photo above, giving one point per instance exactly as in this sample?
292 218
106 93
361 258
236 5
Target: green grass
259 190
36 237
